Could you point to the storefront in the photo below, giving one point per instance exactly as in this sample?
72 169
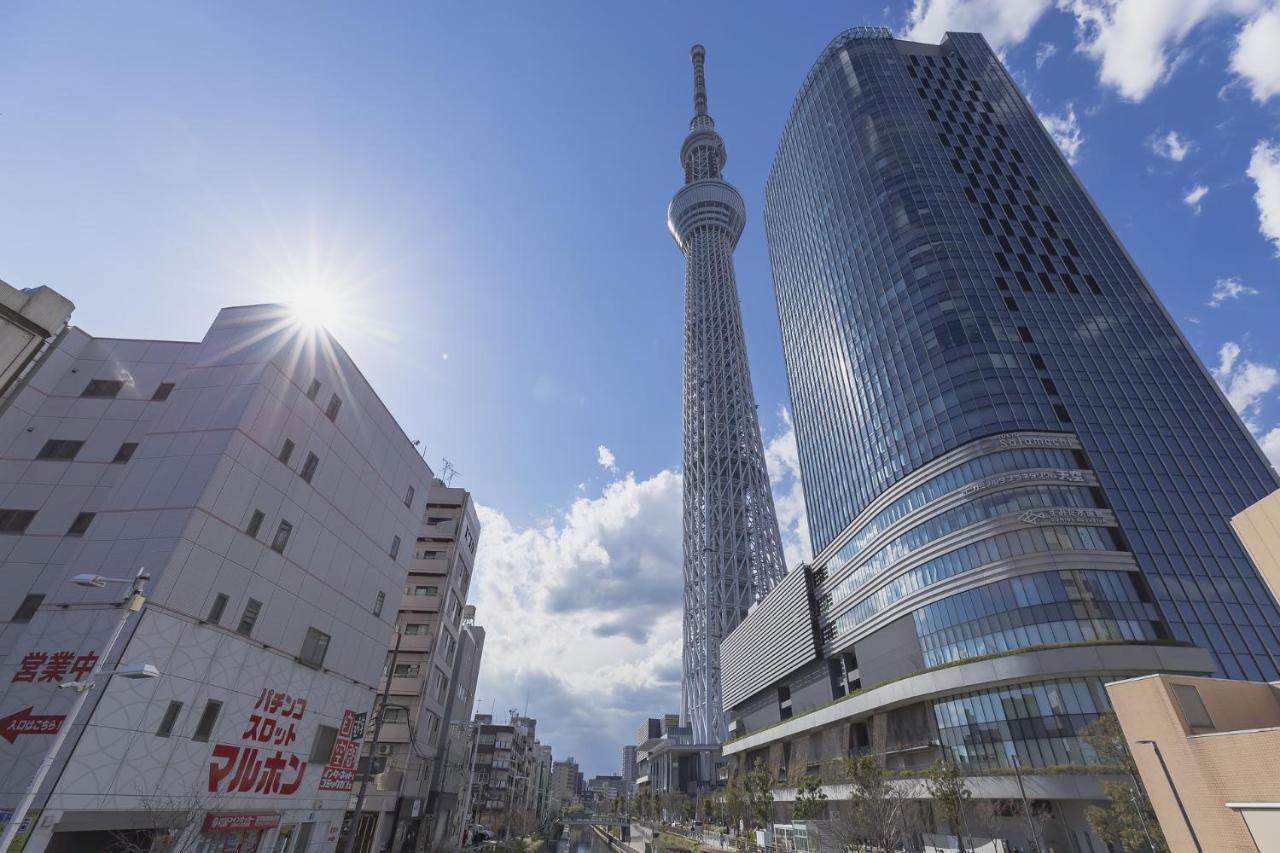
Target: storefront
235 832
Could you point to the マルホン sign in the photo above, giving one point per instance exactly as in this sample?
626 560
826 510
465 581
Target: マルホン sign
240 821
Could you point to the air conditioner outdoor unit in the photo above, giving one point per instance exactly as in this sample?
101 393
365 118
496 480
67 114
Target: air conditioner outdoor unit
384 749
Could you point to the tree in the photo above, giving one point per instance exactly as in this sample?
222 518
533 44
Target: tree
757 787
170 823
1128 819
810 798
735 804
946 784
878 808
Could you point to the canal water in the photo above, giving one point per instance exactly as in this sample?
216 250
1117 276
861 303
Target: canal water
580 840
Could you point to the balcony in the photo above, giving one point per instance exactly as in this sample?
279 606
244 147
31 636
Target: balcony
394 733
415 642
409 685
420 603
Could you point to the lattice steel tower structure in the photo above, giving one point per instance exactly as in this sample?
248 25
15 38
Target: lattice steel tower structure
732 551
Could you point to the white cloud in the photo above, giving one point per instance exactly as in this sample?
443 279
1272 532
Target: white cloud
1264 168
1132 40
1003 22
1229 288
1065 130
1171 146
583 611
1044 53
1244 382
1271 446
783 460
1192 198
1256 57
606 459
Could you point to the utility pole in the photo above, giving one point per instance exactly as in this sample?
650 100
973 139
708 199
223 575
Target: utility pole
344 846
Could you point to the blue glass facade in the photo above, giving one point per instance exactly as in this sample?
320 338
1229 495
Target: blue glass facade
985 388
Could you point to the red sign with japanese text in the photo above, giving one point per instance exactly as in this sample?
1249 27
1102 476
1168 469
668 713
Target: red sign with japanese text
240 821
44 667
340 773
26 723
241 769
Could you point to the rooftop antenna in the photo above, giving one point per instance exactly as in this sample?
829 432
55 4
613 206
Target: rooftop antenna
448 472
422 448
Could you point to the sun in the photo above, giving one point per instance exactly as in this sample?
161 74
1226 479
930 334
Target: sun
315 306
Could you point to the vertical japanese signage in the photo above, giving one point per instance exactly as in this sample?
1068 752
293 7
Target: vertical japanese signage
340 773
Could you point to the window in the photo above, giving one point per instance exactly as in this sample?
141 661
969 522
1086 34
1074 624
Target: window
80 524
57 448
334 405
286 451
470 538
394 715
322 743
218 607
1061 411
163 391
102 388
28 608
281 538
314 648
125 453
1025 334
313 389
378 602
1193 709
252 608
1049 386
255 523
309 467
414 629
170 717
1037 361
15 520
395 547
208 718
407 670
438 519
426 590
408 497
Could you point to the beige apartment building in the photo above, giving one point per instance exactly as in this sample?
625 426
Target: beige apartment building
1208 748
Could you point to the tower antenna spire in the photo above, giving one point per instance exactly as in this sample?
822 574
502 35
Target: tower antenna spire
698 54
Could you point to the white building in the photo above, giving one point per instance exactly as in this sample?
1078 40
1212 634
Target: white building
274 502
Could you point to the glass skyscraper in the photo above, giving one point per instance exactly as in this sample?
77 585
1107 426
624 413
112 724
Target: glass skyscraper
1018 475
943 279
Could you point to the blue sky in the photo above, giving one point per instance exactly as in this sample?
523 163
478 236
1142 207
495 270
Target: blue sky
486 185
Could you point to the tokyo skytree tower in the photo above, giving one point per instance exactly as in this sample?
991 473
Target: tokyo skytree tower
732 551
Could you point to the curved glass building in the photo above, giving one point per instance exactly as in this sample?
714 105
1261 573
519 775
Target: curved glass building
1018 475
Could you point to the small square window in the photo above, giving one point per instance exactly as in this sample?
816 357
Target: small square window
281 538
58 448
1049 386
378 602
286 451
16 520
80 524
255 523
102 388
395 547
27 608
218 608
163 391
322 744
1011 303
314 648
1037 361
207 720
1061 411
169 719
334 405
249 617
309 467
313 389
1025 334
125 453
408 497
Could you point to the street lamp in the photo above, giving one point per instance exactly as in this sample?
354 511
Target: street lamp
1174 788
132 604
